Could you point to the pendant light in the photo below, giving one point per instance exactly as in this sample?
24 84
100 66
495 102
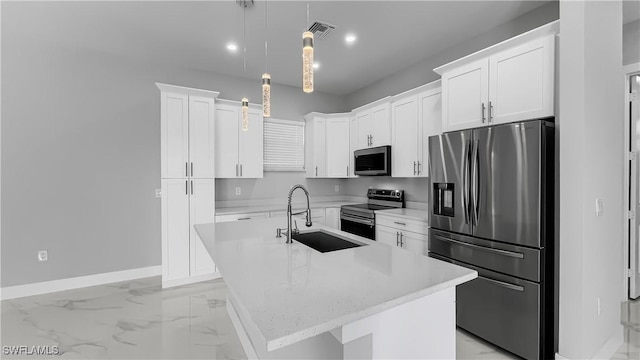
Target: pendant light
266 78
307 58
245 101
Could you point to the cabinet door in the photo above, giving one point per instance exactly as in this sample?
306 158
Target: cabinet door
363 122
201 137
337 148
353 144
226 140
174 121
332 217
381 125
430 106
202 209
175 229
521 82
465 96
405 134
251 147
416 243
319 148
387 235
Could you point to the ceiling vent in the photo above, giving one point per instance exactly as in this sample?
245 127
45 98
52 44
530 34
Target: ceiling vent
321 30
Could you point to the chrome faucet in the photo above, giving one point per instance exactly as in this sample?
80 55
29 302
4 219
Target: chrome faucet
291 231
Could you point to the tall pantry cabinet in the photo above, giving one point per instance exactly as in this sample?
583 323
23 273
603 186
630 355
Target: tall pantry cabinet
187 177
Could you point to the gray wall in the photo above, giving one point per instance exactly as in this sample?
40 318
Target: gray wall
591 167
422 72
631 43
81 154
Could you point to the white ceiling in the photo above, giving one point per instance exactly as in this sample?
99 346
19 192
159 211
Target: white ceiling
391 34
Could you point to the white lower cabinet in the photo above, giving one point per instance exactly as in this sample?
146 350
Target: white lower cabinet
185 202
409 234
332 217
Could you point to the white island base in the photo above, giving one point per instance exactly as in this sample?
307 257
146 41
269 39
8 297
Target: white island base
420 329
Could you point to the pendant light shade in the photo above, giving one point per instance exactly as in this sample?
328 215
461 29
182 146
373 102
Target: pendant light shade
245 114
307 62
266 95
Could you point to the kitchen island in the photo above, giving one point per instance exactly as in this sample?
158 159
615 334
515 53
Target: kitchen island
371 301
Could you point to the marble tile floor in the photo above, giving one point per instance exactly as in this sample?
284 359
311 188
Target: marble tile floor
138 320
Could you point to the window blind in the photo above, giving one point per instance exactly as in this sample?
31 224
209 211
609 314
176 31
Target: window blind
283 145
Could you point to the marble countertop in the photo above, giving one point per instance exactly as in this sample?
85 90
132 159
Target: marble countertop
279 207
421 215
292 292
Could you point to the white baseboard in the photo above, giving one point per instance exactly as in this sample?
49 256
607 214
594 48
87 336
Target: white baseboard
190 280
18 291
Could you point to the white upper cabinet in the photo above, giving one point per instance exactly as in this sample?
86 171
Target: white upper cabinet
373 124
337 135
187 133
415 115
201 137
465 96
353 143
327 145
238 153
521 82
510 81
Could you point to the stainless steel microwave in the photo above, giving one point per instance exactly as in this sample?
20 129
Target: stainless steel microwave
373 161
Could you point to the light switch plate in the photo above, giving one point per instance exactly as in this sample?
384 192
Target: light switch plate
158 193
238 190
43 255
337 188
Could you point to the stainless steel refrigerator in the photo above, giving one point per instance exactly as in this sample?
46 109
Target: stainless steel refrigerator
491 209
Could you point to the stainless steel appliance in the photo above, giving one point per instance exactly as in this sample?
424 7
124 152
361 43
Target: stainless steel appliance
491 209
374 161
360 219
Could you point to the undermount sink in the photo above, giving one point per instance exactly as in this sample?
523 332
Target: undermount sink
324 241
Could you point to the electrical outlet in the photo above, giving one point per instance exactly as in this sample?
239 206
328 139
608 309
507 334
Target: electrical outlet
43 255
337 188
158 193
238 190
599 307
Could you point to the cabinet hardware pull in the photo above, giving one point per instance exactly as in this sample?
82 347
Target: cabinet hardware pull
186 169
483 113
418 167
240 170
347 171
191 168
316 171
372 140
186 187
414 168
399 223
490 112
191 187
397 241
236 169
401 242
244 218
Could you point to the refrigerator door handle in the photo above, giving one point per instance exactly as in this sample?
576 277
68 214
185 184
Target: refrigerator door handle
475 183
503 283
465 182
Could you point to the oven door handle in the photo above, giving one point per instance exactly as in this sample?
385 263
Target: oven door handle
357 219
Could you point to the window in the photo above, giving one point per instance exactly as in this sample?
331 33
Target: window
283 145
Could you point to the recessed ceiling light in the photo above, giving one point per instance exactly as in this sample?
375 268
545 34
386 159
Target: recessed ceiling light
232 47
350 38
316 65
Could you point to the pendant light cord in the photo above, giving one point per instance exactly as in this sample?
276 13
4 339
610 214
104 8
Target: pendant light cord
244 39
266 51
307 14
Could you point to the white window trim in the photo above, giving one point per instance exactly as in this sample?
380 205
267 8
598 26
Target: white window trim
289 122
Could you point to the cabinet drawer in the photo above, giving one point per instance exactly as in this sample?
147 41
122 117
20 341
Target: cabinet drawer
400 223
236 217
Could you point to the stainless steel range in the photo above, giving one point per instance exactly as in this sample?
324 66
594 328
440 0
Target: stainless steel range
360 219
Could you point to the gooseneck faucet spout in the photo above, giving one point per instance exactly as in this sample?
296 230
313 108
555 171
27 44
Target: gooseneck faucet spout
290 230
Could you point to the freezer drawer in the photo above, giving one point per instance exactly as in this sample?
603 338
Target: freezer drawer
502 310
508 259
